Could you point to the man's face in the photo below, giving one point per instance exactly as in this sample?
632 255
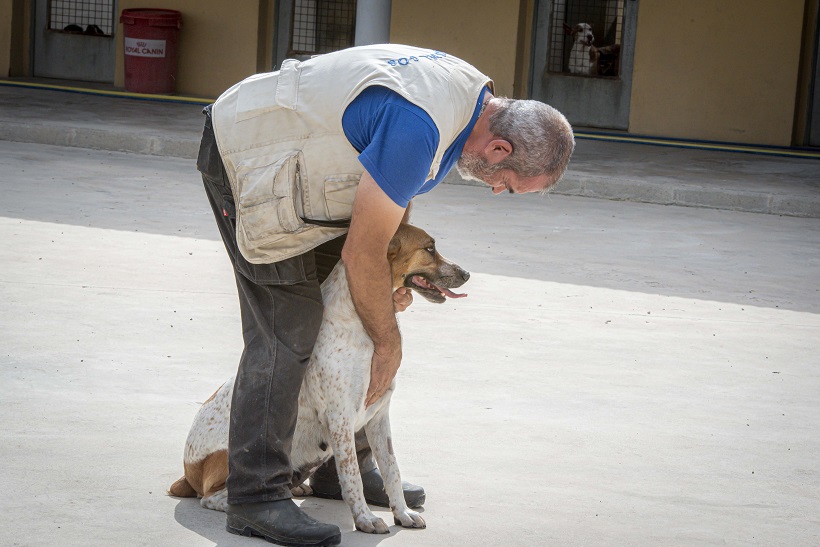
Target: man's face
498 176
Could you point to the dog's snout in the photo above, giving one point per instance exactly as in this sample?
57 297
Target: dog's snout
453 275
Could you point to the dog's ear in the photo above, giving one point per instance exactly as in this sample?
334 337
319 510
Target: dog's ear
567 29
393 249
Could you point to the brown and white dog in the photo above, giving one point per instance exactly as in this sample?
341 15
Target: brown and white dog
332 399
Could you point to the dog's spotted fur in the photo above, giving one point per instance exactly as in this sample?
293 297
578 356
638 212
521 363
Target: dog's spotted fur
332 399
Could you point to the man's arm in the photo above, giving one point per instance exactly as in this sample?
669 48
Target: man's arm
374 222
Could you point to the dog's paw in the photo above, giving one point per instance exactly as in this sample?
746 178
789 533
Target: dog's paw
409 519
371 525
218 501
301 491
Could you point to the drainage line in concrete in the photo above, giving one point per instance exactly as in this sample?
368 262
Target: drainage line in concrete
107 93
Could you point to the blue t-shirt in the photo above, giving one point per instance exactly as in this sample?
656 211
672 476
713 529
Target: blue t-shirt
397 141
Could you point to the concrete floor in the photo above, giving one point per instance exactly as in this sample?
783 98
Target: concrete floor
621 373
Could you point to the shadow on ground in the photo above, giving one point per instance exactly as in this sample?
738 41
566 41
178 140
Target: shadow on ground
211 524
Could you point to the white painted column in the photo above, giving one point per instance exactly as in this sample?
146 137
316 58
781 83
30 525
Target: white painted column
372 22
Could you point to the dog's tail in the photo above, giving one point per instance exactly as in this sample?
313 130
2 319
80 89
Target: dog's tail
182 489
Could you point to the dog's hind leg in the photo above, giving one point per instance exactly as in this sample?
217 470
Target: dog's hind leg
214 475
378 435
342 439
182 489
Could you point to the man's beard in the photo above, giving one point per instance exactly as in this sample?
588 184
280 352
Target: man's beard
476 167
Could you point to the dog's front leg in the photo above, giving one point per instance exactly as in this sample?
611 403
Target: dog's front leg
342 439
378 435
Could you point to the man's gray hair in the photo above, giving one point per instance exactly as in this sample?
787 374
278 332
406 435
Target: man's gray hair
541 137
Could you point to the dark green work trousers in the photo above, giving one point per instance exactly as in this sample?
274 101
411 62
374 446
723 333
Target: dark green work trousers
281 309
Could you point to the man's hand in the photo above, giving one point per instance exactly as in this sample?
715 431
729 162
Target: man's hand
383 369
402 298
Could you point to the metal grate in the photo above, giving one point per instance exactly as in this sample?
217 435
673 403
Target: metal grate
322 26
605 19
91 17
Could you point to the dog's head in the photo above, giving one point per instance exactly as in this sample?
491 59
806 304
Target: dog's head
415 263
581 33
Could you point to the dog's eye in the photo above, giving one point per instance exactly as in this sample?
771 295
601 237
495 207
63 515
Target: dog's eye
431 250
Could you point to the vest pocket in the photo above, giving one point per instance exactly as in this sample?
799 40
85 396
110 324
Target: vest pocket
340 191
269 197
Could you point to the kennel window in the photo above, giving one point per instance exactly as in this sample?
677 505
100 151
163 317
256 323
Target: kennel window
91 17
322 26
606 17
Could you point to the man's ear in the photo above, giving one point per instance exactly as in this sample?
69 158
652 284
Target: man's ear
497 150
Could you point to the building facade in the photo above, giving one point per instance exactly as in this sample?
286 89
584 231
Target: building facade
739 71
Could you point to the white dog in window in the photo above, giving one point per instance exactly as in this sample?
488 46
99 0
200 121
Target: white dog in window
582 56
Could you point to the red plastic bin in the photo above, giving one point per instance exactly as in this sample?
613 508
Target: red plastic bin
150 42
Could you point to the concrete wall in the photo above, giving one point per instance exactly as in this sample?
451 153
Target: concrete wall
15 19
724 71
19 23
219 43
523 57
482 32
805 83
5 36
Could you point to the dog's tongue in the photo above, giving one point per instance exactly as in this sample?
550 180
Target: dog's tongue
421 282
448 292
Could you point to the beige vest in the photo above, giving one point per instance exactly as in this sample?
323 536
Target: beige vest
280 136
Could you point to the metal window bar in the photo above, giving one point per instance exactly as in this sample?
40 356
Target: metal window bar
90 17
606 19
322 26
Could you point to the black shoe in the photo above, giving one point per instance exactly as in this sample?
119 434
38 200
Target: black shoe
326 485
281 522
